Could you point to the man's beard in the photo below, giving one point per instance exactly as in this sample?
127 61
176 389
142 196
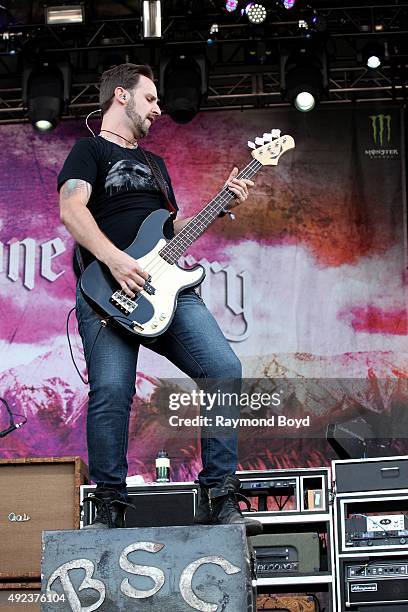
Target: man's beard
139 126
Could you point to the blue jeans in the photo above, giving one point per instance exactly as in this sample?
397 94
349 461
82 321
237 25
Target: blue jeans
195 344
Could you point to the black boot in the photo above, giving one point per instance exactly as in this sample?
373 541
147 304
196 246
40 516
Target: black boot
225 508
110 509
203 512
219 506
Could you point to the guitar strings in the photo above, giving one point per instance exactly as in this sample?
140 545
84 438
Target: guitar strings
158 263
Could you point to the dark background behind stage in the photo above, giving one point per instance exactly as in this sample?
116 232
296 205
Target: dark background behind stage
309 282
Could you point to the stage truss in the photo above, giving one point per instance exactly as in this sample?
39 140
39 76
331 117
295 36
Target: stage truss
244 60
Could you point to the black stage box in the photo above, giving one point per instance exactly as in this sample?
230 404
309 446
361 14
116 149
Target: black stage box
156 569
156 504
376 474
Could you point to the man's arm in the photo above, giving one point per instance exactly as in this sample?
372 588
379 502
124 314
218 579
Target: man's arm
79 221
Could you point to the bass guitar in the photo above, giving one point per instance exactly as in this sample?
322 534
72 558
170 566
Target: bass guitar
151 311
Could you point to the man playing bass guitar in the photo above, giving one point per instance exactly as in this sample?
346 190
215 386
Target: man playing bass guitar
108 186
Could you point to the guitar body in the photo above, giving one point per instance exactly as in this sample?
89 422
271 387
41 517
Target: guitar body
152 311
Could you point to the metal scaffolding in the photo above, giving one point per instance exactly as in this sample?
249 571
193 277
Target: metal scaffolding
244 61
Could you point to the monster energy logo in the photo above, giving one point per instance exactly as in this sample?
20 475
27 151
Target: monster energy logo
380 124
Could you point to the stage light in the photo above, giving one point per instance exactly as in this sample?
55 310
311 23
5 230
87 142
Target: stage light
373 55
45 90
11 43
305 101
289 4
213 34
44 125
183 81
318 23
256 12
231 5
373 61
152 19
304 78
64 15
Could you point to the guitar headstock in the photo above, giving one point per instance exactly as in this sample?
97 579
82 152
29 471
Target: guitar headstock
268 149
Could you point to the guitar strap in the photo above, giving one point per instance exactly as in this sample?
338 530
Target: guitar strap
78 256
160 180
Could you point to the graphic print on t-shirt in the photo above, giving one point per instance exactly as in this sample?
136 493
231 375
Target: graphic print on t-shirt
126 174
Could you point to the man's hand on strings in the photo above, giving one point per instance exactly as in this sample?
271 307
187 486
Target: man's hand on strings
239 187
127 272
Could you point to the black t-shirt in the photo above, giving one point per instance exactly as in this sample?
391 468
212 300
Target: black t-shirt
124 190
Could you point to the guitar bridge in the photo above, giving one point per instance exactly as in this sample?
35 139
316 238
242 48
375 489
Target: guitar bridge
123 302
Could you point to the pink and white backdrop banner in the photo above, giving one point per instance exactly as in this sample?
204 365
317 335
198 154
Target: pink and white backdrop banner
308 282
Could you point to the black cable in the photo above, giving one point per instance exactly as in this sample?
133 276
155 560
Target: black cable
8 410
70 347
103 324
13 414
316 600
23 416
86 382
279 503
285 502
365 565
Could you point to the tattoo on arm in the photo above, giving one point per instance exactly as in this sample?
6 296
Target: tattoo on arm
78 186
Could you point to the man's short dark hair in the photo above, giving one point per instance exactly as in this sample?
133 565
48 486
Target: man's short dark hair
124 75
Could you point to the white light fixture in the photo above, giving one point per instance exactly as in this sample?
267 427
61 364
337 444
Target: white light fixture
42 125
64 15
373 62
305 101
256 13
151 19
374 53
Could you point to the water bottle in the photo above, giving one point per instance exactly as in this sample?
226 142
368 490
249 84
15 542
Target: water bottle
162 467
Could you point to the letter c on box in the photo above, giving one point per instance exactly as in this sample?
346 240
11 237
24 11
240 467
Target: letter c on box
186 580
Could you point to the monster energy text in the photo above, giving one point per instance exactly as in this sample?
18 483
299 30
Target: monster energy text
381 130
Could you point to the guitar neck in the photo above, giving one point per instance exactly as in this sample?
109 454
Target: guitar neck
173 250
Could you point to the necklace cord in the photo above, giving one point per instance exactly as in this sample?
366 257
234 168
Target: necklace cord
119 136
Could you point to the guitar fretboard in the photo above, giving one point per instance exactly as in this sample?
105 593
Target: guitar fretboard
173 250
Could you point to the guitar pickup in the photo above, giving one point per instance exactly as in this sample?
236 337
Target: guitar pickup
123 302
149 288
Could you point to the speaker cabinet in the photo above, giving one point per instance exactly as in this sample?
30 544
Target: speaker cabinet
36 494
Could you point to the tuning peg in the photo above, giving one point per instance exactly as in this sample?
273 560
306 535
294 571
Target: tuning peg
276 133
267 136
251 144
259 141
